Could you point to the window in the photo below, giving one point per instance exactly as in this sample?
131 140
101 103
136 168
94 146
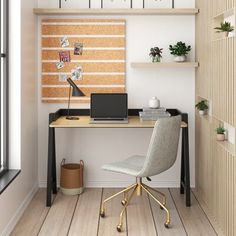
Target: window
4 86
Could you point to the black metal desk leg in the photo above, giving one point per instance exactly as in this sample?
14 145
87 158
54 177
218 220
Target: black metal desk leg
54 173
50 165
182 174
186 163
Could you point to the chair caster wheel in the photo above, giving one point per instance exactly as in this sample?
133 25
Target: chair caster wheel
123 202
119 227
161 207
102 213
167 225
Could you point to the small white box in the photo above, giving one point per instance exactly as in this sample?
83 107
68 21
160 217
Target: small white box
158 4
116 3
74 3
95 3
184 3
137 3
48 4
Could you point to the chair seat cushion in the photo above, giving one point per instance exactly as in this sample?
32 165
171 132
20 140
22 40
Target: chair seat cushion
130 166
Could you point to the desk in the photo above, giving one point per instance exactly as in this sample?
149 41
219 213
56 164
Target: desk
58 120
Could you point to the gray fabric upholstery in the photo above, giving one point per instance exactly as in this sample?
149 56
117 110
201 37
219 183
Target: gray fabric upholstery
161 154
131 166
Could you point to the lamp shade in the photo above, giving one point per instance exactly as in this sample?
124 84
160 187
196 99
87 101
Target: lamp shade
76 92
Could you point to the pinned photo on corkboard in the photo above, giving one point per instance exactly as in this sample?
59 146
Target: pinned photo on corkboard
76 74
64 56
78 49
62 77
64 41
60 65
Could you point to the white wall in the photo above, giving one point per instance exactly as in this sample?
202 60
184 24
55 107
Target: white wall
23 114
174 87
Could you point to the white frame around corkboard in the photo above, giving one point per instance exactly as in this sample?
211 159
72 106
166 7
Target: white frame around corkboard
102 60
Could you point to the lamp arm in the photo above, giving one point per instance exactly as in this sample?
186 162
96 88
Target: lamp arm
68 109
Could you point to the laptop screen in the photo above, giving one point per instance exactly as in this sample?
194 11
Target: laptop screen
109 105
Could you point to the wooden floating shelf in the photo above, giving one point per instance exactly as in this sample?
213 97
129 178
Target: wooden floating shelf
164 65
225 14
227 146
167 11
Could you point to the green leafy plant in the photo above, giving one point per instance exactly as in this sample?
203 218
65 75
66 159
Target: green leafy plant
155 54
224 27
179 49
220 130
201 105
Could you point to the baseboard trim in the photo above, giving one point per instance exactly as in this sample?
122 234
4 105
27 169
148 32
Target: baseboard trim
122 184
19 212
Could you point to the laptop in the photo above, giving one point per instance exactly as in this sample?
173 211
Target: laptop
108 108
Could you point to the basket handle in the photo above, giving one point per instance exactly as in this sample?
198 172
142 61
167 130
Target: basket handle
82 163
63 162
81 172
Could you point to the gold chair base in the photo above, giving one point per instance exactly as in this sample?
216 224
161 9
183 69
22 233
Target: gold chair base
136 188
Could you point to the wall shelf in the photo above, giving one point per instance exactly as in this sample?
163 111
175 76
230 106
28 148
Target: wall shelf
167 11
227 146
164 65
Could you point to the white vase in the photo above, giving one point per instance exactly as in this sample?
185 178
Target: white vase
202 112
180 58
154 102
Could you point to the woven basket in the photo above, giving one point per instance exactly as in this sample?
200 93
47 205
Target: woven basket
71 181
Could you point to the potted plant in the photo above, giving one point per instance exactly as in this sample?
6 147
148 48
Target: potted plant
179 50
225 27
220 133
155 54
202 107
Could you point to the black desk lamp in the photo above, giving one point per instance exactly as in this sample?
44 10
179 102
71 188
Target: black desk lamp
76 92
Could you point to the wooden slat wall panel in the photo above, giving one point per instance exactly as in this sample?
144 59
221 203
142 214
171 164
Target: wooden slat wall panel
102 61
215 163
203 133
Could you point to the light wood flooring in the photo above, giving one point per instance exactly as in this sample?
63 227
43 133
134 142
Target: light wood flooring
79 216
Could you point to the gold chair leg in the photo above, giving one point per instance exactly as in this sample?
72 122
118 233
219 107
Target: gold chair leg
163 206
102 211
158 192
139 188
123 202
119 226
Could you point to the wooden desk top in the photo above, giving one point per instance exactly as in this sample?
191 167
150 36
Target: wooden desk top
83 122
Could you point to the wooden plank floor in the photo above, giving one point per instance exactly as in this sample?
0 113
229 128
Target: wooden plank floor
79 215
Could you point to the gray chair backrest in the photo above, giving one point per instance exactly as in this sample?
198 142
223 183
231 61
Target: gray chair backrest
163 147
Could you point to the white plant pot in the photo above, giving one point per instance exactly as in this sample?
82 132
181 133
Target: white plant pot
180 58
202 112
220 137
154 102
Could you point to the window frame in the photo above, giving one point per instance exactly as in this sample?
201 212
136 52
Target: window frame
5 56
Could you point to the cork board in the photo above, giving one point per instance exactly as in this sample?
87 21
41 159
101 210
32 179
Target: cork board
101 63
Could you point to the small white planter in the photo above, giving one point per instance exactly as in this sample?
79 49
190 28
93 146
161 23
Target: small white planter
226 34
220 137
180 58
202 112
